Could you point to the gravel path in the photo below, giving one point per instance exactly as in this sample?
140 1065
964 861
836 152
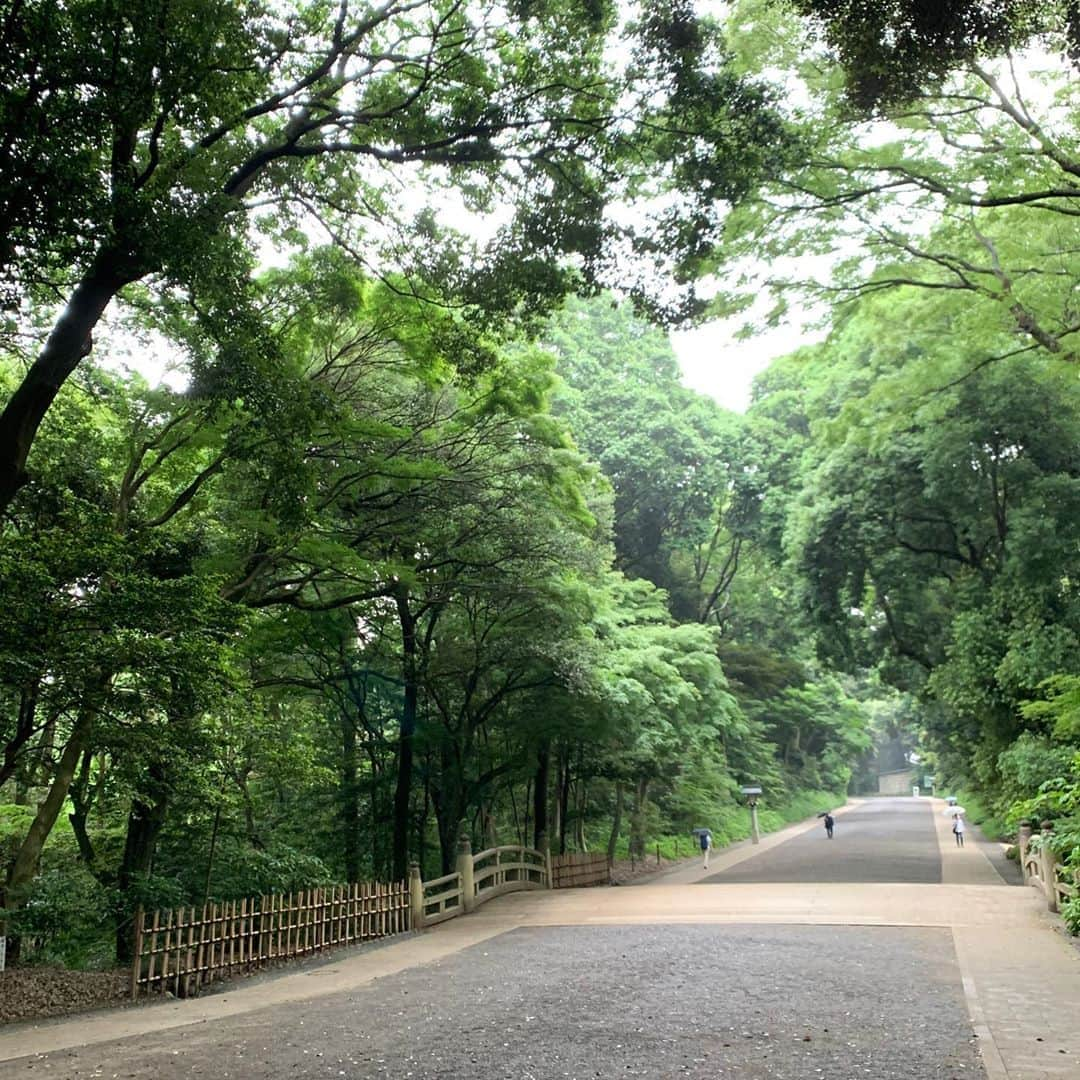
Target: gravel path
883 840
729 1002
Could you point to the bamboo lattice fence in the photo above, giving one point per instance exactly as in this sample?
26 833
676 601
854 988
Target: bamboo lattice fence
185 949
578 869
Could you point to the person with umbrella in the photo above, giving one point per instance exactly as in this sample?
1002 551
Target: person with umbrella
958 826
830 821
705 841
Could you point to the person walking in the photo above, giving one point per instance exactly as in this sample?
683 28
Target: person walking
705 839
959 828
829 823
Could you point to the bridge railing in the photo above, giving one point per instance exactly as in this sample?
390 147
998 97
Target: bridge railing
509 868
1041 868
476 879
440 899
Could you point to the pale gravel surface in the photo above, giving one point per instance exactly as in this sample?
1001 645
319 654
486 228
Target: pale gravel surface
729 1002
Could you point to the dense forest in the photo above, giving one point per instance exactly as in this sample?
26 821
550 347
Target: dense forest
423 532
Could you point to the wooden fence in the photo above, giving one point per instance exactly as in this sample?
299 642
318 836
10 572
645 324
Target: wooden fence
185 949
578 869
1040 868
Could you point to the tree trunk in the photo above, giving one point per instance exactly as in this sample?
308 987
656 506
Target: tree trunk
24 731
422 824
451 803
564 799
540 793
616 821
350 798
518 834
448 821
210 855
68 343
79 793
579 816
250 828
403 789
29 854
145 820
637 819
491 825
382 844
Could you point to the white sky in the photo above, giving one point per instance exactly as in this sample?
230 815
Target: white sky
714 358
716 362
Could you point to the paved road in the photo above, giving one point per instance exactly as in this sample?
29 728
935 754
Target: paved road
882 840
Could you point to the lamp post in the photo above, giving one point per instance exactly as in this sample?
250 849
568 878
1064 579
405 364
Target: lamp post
752 795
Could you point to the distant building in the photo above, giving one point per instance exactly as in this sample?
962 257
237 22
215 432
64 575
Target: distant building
897 781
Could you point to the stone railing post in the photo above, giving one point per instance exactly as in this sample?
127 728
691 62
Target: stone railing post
465 870
1023 839
545 850
1048 866
416 897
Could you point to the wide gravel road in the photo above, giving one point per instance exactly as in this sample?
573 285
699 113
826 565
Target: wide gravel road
653 997
708 1001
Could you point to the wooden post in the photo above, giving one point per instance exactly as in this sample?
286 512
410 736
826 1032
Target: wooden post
211 955
1047 862
166 949
189 954
153 952
136 962
416 897
179 950
465 871
200 955
657 852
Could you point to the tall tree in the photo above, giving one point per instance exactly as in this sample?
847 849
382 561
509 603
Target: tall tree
145 143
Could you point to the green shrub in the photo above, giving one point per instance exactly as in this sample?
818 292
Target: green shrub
241 870
1070 912
67 918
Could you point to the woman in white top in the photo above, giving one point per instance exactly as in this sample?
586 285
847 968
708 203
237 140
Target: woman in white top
958 828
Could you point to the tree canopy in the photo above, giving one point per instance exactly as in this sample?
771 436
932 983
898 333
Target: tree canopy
148 147
430 538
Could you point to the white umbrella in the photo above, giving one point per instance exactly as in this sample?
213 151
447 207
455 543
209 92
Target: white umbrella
953 811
